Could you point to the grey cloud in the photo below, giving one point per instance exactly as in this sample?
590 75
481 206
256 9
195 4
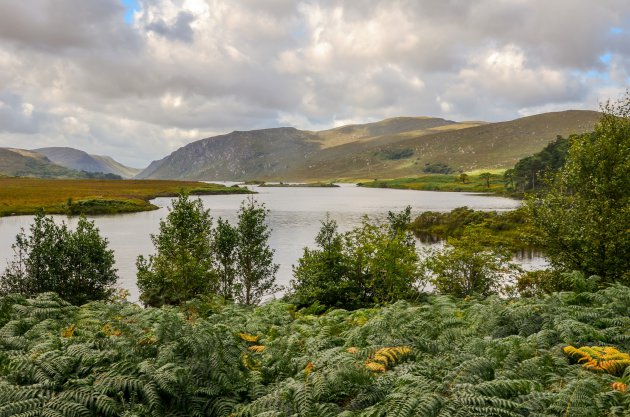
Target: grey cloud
17 116
56 25
179 30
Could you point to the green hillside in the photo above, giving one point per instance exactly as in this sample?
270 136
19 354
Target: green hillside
22 163
82 161
392 148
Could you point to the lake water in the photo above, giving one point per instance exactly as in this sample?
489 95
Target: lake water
294 219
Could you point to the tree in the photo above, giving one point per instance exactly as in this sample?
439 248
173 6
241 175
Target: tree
224 247
370 264
466 267
77 265
584 215
182 267
486 177
463 177
255 272
531 173
321 274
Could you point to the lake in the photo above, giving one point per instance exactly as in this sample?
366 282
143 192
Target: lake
294 219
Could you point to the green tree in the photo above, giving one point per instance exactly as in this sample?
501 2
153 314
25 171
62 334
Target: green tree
370 264
255 271
465 266
463 177
182 266
486 177
321 274
224 247
77 264
584 215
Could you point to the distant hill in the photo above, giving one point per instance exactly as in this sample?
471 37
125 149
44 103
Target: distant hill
23 163
82 161
277 153
390 148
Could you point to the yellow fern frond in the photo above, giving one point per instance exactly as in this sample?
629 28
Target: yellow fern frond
386 357
109 330
352 350
600 358
375 366
619 386
308 369
257 348
249 337
69 331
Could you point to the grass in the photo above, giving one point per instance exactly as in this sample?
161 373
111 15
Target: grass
68 196
444 182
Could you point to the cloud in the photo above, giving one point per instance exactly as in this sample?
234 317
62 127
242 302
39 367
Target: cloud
179 29
80 73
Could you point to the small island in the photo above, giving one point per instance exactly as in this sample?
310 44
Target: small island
301 185
21 195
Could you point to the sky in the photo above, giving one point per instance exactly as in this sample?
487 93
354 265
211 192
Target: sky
137 79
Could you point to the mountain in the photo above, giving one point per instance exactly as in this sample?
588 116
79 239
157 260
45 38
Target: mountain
23 163
390 148
82 161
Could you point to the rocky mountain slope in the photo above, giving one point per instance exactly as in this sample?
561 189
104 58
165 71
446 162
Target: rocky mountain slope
390 148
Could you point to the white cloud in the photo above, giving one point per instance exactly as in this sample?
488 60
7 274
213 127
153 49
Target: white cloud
72 72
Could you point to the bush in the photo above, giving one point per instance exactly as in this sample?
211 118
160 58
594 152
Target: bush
466 267
77 265
367 265
182 267
437 168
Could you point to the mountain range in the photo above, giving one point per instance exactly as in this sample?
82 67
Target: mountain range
82 161
59 162
391 148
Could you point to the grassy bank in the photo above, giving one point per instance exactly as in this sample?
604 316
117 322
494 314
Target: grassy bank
27 195
473 182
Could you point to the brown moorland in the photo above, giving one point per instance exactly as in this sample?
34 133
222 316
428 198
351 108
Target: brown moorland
80 196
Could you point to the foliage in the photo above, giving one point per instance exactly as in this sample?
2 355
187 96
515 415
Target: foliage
182 266
466 267
600 358
224 247
511 229
75 264
486 176
443 357
530 173
395 154
369 264
255 271
437 168
584 215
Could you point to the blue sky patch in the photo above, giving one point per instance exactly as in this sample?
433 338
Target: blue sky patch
606 58
131 6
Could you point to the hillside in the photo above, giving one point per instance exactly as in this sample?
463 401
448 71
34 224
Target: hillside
391 148
277 153
23 163
82 161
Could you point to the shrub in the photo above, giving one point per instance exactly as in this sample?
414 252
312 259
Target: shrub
77 264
